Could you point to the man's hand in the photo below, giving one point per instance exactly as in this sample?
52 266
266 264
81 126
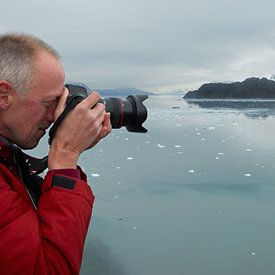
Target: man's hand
81 129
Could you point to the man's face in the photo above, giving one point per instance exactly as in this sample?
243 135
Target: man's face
31 113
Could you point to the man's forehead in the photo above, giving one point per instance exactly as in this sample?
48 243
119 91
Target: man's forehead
48 76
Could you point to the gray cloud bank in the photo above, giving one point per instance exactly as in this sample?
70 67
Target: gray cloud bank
155 45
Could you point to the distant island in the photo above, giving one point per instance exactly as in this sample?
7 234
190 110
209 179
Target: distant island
114 92
250 88
123 92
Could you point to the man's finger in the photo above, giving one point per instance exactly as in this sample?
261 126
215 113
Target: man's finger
91 100
61 103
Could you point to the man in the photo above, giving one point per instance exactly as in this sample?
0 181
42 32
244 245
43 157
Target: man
42 230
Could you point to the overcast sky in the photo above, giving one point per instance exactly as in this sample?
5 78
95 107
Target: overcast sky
156 45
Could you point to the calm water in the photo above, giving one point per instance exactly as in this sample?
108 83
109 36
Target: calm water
195 195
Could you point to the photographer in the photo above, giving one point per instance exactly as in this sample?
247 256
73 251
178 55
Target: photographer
43 223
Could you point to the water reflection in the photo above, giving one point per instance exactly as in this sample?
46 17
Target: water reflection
203 174
251 108
100 259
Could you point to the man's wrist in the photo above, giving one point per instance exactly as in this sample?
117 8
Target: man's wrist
60 158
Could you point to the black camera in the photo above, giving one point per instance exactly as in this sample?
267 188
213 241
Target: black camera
130 113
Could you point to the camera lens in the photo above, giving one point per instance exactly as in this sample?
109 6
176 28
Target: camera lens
130 113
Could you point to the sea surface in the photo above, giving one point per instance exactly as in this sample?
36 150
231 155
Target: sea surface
194 196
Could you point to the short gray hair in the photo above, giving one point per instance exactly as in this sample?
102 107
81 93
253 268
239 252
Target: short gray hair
18 56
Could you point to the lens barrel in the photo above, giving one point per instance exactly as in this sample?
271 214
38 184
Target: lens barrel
130 113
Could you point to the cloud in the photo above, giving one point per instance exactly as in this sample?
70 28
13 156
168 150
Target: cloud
152 44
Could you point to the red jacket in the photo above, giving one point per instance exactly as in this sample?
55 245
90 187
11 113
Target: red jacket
49 239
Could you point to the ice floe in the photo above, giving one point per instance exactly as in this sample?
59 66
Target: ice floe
211 128
161 146
95 175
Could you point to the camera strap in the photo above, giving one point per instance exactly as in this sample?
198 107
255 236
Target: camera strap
72 101
24 166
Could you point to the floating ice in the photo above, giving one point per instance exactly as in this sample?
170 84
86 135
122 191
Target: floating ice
147 142
217 158
211 128
178 125
220 153
253 253
118 167
247 175
129 158
248 150
134 228
203 139
95 175
180 152
116 196
191 171
161 146
177 146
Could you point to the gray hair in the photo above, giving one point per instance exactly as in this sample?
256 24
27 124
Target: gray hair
18 56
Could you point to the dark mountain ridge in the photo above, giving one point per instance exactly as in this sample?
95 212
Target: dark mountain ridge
250 88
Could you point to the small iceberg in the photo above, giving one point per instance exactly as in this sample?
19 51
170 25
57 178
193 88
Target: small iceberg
95 175
161 146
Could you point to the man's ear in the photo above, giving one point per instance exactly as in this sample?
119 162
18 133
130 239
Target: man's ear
5 93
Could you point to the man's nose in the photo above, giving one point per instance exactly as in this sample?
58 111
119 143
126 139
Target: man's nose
50 116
